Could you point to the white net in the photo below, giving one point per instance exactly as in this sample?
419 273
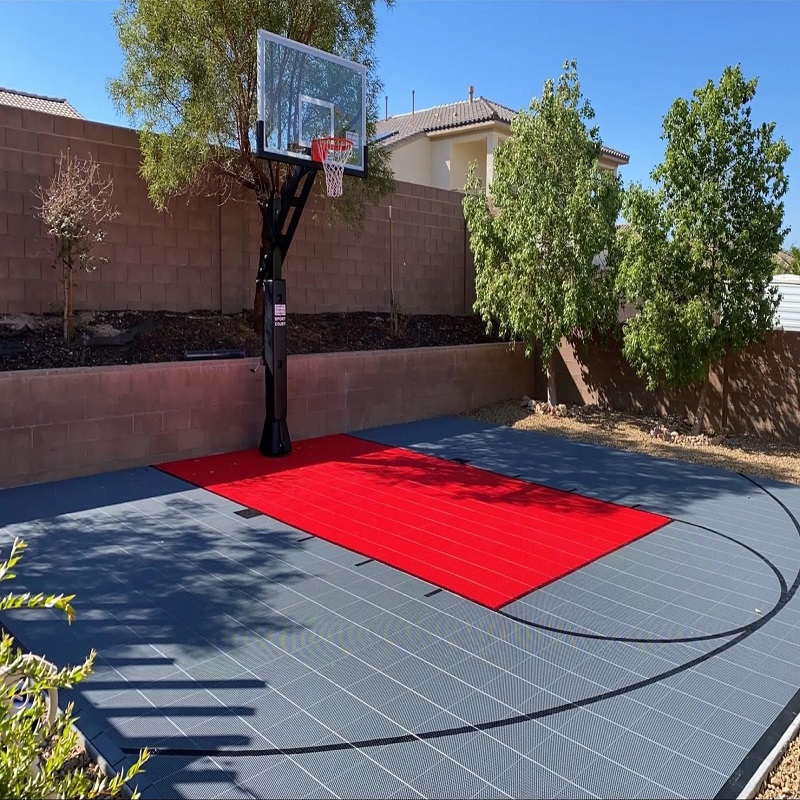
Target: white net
337 153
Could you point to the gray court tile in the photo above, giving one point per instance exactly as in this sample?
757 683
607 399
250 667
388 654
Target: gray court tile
366 780
478 707
687 779
713 752
528 779
444 690
283 670
338 711
346 671
377 690
276 780
514 694
319 652
564 756
411 711
485 756
594 727
371 726
475 671
734 728
299 730
309 689
448 780
408 761
382 655
609 779
220 725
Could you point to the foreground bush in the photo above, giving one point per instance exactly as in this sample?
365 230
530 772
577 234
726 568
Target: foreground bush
36 742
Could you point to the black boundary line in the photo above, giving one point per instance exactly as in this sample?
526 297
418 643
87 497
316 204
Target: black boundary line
435 591
762 748
368 561
305 538
705 637
731 788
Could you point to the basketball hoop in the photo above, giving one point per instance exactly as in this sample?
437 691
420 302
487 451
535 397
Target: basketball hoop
333 152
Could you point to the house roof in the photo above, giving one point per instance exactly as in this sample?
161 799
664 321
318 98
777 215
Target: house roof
37 102
401 128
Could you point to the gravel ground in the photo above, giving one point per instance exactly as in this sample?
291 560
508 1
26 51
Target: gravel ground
769 458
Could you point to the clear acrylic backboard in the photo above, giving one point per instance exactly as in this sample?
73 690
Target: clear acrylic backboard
306 94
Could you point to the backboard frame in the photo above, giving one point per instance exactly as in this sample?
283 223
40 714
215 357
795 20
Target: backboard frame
263 150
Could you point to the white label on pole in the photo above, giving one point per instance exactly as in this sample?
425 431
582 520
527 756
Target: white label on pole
280 315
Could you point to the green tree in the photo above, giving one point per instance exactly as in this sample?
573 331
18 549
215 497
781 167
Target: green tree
699 247
189 82
38 742
549 215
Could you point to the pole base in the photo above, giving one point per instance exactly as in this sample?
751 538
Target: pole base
275 439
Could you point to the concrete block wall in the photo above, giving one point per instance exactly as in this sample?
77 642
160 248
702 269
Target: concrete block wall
755 392
62 423
202 254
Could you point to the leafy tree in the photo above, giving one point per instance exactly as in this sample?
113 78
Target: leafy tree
76 208
549 215
38 743
189 82
698 249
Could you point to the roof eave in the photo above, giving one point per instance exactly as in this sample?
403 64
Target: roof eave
439 133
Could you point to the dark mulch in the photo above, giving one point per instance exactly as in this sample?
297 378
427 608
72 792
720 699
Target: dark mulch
165 336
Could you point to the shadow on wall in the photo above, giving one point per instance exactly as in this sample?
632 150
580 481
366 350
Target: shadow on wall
764 388
756 391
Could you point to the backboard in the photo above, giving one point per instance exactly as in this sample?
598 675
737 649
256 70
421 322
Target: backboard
304 94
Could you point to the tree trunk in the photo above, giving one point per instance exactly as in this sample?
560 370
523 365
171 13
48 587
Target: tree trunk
552 398
699 417
67 302
258 300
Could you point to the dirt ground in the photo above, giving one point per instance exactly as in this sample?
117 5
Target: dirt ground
139 337
765 457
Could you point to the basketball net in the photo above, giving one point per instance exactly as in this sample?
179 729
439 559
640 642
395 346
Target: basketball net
333 152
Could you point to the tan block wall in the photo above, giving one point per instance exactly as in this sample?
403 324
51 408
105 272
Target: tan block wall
62 423
202 255
757 391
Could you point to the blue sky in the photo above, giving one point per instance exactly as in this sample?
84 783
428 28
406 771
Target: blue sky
634 58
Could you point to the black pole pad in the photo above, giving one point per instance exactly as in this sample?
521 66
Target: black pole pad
275 439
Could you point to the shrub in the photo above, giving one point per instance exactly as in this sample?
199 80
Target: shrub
37 742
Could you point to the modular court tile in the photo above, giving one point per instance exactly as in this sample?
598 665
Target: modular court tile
261 661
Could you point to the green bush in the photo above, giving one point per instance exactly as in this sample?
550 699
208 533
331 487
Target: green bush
36 743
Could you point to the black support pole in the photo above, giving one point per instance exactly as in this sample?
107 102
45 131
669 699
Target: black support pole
283 215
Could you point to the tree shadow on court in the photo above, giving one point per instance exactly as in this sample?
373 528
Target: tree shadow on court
661 485
179 597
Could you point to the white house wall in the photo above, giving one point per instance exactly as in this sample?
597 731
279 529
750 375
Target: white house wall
440 163
788 316
461 155
412 162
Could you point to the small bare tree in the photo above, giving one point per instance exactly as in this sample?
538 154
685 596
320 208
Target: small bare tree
75 208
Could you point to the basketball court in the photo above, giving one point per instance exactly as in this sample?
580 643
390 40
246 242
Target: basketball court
437 609
430 610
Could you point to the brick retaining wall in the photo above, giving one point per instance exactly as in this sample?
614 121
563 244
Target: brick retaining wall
62 423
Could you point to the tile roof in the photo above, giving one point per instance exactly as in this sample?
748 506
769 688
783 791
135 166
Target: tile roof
37 102
404 127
